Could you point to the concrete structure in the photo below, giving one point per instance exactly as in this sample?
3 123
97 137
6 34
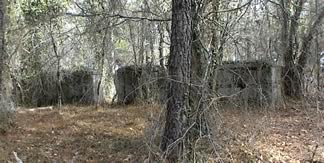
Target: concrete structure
145 83
249 83
42 90
239 83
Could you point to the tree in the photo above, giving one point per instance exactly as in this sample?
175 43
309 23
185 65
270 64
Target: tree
295 57
198 77
6 106
289 27
179 73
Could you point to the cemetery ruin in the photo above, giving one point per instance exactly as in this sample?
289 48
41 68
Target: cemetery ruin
76 86
250 82
254 82
137 83
236 82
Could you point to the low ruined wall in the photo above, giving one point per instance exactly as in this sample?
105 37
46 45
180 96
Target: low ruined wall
126 82
248 82
239 83
42 90
145 83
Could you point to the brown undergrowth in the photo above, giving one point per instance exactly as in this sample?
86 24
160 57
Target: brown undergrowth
291 134
130 134
77 134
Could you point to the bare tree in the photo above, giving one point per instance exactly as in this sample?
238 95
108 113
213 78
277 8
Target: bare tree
289 26
58 70
295 57
198 81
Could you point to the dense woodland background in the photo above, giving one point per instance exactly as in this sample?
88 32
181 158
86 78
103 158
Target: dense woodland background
55 53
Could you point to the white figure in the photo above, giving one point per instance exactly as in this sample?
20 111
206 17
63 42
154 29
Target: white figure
322 60
118 64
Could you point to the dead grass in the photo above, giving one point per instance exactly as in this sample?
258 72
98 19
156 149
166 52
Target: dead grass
79 134
126 134
267 135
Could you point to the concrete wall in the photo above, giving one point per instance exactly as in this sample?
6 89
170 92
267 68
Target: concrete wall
146 83
249 83
41 90
239 83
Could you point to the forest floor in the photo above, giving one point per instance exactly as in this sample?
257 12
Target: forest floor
290 134
119 134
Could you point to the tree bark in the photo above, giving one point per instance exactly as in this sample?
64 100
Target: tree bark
6 105
179 73
3 56
216 46
104 50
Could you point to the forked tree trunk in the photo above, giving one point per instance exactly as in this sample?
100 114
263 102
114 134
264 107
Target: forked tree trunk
179 73
293 73
307 40
292 79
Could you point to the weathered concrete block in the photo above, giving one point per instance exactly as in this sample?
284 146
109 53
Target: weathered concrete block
250 82
145 83
42 90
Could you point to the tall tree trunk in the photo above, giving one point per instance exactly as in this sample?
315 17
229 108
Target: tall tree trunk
291 77
216 46
198 85
142 48
161 40
6 105
152 40
149 35
3 54
307 40
104 50
132 40
142 40
293 63
58 70
179 73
